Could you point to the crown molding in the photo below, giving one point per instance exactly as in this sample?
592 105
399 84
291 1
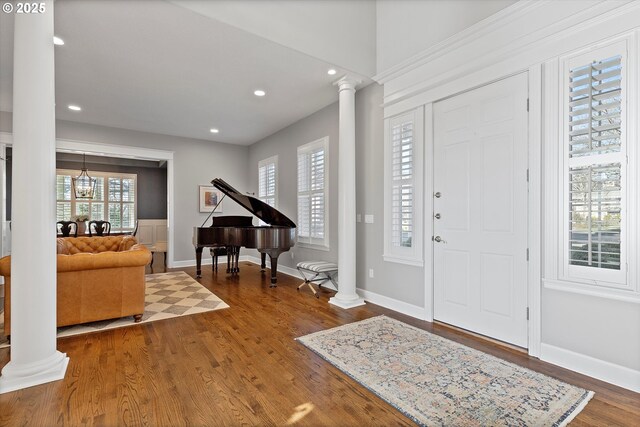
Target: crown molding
485 26
546 41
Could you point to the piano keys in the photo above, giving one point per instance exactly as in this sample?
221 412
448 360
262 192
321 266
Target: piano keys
277 236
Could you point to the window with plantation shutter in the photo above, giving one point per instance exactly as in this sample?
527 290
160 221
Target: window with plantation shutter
595 166
313 193
268 181
114 200
402 183
403 177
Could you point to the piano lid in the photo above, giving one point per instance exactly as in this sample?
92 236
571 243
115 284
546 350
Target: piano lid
257 207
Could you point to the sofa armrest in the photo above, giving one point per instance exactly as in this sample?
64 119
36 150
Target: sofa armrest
5 266
137 256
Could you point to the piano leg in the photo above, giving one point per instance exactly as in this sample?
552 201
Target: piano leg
263 261
274 271
229 258
273 255
198 262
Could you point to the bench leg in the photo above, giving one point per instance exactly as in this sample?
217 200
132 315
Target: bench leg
310 287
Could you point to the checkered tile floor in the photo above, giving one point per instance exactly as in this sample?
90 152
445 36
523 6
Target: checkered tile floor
168 295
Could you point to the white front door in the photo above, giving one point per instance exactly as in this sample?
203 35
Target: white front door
480 210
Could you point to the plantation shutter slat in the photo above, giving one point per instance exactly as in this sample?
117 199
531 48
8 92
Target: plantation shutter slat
595 190
114 200
267 181
402 185
312 185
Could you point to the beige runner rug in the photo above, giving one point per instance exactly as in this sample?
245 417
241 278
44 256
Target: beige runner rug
435 381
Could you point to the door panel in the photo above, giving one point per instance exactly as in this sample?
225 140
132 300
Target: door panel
456 274
480 162
456 181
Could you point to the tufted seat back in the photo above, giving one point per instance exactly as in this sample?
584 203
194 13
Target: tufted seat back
94 245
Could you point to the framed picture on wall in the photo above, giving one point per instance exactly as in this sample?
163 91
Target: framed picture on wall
209 198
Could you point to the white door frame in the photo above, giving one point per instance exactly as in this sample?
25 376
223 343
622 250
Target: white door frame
100 149
534 209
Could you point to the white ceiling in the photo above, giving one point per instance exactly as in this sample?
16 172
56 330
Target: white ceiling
338 31
158 67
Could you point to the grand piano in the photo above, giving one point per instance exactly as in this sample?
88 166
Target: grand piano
278 236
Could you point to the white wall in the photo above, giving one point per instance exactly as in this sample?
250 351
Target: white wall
195 162
407 27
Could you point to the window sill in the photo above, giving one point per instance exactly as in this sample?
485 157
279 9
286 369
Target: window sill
630 296
314 247
402 260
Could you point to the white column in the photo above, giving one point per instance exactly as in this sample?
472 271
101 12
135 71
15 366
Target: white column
34 358
347 296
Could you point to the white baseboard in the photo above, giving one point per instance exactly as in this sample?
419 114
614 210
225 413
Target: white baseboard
286 270
255 260
190 263
205 261
587 365
393 304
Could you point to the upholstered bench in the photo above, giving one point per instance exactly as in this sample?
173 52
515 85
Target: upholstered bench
317 272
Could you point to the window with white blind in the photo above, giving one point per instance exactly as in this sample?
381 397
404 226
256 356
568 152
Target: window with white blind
268 181
595 166
313 186
114 199
403 188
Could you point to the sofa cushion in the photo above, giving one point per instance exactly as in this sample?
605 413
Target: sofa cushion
93 245
136 256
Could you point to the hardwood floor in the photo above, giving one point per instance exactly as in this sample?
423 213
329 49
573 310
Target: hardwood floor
241 366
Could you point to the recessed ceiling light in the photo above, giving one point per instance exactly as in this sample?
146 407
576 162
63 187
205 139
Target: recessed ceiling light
259 92
331 72
74 108
58 41
214 130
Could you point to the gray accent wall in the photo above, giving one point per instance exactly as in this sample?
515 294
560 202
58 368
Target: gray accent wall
398 281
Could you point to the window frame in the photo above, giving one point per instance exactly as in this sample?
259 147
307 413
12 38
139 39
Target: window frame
590 275
265 163
311 242
105 176
413 255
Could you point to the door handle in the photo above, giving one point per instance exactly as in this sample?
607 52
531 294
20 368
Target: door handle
438 195
437 216
439 239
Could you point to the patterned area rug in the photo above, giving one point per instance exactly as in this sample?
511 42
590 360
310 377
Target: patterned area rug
168 295
435 381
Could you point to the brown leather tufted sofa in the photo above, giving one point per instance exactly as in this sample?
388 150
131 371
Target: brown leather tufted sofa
99 278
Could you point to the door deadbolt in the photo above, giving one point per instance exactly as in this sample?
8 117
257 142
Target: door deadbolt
437 194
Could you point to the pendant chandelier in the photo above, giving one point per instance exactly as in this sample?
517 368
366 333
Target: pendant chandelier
84 187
